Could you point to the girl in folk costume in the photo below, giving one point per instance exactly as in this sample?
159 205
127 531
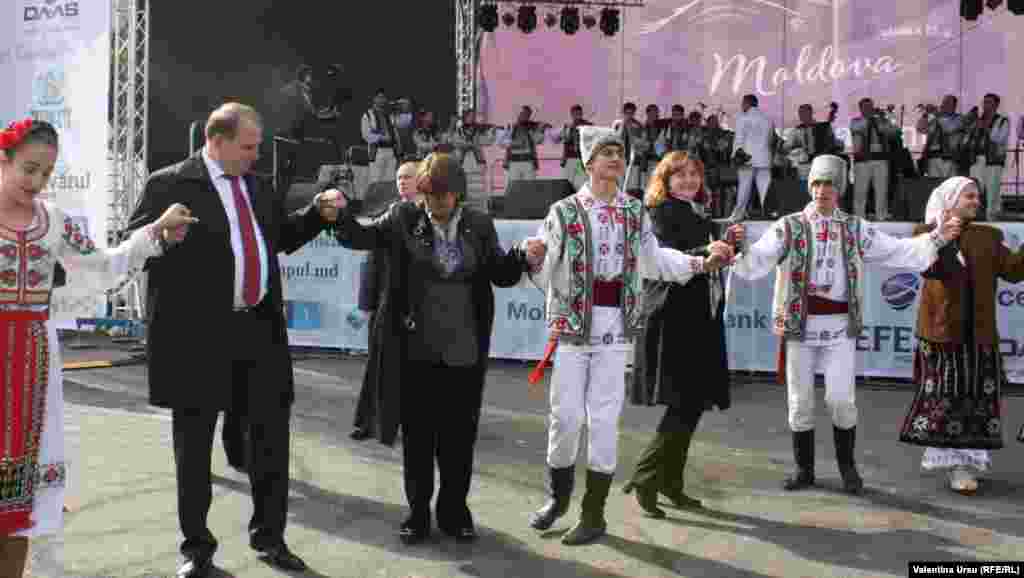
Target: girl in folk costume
819 256
675 200
34 236
592 252
957 363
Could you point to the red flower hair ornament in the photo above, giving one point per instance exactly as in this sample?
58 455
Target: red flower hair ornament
14 134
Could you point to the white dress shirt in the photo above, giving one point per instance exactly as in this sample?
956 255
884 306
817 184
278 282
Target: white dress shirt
222 183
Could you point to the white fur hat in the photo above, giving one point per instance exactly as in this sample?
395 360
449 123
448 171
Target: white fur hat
828 168
594 137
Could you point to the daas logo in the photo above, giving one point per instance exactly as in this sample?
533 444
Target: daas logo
900 290
48 10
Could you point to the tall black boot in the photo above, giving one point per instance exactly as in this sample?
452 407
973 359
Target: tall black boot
592 524
844 439
560 483
649 476
803 453
677 451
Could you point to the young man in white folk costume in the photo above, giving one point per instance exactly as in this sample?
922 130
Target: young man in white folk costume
819 255
592 252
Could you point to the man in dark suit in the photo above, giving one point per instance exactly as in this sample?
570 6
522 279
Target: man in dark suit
217 337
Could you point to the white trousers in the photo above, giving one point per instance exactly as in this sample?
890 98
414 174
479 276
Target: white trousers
747 176
876 174
990 178
384 166
838 361
520 171
587 387
941 168
574 173
477 194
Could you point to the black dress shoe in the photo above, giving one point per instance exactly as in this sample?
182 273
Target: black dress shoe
415 529
195 568
282 557
359 434
464 534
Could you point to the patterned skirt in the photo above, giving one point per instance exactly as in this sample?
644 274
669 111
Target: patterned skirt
957 404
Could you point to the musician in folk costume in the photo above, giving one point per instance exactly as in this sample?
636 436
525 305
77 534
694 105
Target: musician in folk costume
598 245
569 137
819 255
985 140
808 140
958 368
631 133
872 135
467 139
520 141
35 236
381 137
426 138
690 318
676 135
943 130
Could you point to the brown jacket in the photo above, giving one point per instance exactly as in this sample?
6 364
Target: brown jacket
942 310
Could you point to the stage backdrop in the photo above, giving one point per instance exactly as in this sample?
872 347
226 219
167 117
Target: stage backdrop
55 59
787 52
322 280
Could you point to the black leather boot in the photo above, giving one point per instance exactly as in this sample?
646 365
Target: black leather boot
560 484
844 439
803 453
591 524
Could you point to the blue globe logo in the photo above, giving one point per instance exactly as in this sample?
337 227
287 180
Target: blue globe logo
900 290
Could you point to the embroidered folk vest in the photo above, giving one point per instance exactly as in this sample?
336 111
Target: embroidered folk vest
570 297
789 311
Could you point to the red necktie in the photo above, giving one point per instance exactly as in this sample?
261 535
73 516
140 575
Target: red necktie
251 281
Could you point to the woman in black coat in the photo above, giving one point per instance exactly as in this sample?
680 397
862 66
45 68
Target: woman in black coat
681 361
434 328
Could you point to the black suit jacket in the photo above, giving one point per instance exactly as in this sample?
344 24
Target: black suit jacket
190 290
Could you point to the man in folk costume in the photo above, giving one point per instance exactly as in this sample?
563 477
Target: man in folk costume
381 138
595 247
819 255
631 132
958 367
520 141
569 136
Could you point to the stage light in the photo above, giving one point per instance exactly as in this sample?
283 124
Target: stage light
609 21
993 4
527 19
550 20
570 21
970 9
488 17
508 19
589 21
1015 6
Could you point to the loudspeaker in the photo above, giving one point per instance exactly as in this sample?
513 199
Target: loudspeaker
532 199
914 195
785 196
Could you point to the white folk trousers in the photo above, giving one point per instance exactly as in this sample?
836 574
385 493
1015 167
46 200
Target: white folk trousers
837 360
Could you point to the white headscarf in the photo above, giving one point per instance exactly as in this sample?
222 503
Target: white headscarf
944 198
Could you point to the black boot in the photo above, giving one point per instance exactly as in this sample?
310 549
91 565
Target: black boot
677 451
648 477
560 483
591 525
803 453
844 439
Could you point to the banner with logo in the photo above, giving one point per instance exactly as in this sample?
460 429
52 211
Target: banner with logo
322 283
55 59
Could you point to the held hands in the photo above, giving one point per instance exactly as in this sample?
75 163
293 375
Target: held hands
951 226
735 235
173 224
721 255
535 251
330 203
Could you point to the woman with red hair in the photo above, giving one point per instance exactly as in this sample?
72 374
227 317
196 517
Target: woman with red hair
690 320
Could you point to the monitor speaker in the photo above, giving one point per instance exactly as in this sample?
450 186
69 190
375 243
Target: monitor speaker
532 199
915 193
785 196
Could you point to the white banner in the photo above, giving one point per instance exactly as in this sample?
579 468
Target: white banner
55 55
322 281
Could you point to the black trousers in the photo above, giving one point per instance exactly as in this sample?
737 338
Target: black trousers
366 406
440 419
267 426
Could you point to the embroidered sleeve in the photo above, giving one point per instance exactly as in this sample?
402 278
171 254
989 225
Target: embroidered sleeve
111 268
551 233
759 259
915 253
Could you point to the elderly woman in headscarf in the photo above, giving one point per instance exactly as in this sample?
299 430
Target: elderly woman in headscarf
957 365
